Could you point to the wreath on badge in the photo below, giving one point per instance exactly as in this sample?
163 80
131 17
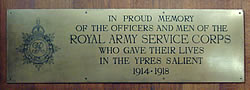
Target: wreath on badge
37 47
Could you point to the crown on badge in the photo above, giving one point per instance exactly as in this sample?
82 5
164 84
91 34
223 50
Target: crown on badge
38 29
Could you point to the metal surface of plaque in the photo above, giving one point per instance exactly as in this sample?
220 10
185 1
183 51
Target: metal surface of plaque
124 45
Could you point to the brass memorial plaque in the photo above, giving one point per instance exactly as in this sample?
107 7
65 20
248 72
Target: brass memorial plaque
125 45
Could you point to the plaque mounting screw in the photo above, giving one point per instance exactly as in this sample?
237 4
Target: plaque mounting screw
163 12
86 78
10 12
239 12
86 12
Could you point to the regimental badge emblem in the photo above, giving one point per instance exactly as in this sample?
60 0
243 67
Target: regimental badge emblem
37 47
